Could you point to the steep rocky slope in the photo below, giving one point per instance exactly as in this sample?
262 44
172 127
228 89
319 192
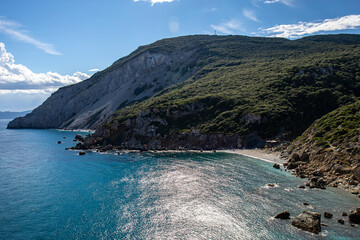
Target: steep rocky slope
87 104
328 152
208 92
247 91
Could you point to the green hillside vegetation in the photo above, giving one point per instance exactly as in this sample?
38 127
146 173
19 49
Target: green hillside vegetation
339 128
289 84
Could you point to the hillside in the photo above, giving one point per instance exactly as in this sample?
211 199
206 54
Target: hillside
330 148
207 92
246 91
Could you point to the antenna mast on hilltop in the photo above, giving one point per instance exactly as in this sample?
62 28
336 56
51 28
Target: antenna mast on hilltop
215 32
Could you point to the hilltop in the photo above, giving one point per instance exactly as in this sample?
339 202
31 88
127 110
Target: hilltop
208 92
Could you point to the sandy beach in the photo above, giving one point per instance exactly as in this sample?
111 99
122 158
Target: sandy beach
273 157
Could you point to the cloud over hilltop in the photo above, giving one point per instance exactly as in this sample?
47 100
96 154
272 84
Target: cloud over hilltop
306 28
15 78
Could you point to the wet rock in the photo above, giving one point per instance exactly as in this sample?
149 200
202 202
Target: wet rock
328 215
276 165
271 185
341 221
324 224
80 146
305 204
344 214
82 153
59 142
308 221
78 137
283 215
354 216
302 186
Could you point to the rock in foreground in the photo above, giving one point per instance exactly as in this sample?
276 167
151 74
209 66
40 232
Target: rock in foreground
283 215
308 221
354 216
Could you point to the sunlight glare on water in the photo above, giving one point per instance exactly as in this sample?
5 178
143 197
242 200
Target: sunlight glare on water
49 193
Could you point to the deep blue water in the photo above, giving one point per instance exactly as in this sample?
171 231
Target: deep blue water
49 193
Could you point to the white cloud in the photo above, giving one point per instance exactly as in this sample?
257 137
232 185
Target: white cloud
307 28
15 78
154 1
13 30
286 2
250 15
94 70
228 27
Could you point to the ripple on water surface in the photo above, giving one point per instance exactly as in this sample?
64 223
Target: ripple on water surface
49 193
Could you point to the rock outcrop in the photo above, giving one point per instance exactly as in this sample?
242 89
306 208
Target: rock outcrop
87 104
328 152
308 221
283 215
354 216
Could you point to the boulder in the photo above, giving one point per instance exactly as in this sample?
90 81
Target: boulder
78 137
59 142
283 215
294 157
344 214
356 172
82 153
354 216
328 215
308 221
276 165
341 221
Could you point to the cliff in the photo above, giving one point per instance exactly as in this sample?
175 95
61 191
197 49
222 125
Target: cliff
329 150
246 91
87 104
208 92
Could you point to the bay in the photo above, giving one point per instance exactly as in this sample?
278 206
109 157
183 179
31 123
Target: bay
47 192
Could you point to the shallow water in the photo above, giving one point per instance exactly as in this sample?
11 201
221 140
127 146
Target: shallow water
49 193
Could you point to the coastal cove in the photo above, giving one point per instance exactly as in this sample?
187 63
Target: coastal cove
49 193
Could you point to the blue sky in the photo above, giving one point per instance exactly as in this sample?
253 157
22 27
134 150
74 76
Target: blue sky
48 44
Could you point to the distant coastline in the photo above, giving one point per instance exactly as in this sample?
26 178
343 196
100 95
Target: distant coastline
12 115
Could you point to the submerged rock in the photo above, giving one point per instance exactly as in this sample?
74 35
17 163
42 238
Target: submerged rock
283 215
354 216
308 221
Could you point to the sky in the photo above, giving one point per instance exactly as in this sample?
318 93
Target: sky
48 44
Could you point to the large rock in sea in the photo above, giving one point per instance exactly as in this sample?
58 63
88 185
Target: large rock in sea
354 216
283 215
308 221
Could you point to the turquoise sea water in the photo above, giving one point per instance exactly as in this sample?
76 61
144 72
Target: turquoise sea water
49 193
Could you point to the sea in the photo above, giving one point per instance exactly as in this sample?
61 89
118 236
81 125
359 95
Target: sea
47 192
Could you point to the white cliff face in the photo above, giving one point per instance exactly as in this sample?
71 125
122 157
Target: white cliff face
87 104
